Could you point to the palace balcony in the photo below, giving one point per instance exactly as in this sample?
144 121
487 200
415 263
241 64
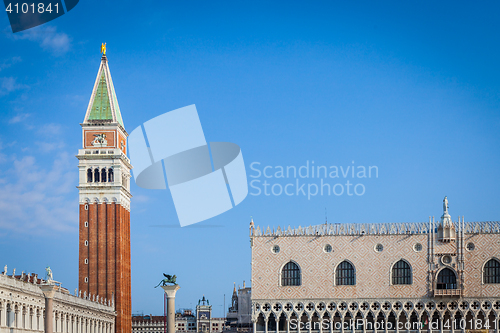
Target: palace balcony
447 292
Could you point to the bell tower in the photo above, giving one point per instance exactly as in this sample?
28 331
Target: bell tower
104 200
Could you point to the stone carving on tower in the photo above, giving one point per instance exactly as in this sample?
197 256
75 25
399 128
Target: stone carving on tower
104 199
100 140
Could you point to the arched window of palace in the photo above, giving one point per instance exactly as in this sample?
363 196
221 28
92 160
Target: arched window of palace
401 273
103 175
345 274
89 175
446 279
290 274
492 271
96 176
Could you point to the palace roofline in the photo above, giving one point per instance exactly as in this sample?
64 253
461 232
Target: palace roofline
360 229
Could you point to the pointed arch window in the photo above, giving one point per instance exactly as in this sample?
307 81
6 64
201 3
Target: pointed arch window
111 177
492 271
345 275
96 176
290 274
103 175
446 279
401 273
89 175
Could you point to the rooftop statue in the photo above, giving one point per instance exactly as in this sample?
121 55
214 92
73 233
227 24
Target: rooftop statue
169 279
445 205
49 275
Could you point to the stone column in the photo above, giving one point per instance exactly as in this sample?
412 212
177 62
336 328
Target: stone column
16 318
3 317
170 291
49 291
38 315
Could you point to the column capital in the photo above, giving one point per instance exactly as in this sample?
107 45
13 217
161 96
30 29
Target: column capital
171 290
49 290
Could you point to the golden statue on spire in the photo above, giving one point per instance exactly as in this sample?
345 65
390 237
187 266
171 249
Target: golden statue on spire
103 49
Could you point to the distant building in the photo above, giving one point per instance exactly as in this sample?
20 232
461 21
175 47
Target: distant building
201 321
185 321
22 307
239 315
148 323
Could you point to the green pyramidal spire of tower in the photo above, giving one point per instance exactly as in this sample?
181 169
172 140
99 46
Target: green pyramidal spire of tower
103 106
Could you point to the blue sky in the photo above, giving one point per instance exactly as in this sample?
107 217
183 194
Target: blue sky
411 88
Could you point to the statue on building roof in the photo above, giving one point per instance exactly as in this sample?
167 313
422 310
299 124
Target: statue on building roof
203 301
445 205
49 275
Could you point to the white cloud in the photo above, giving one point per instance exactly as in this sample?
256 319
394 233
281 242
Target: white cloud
18 118
48 38
46 147
141 198
50 129
9 62
9 84
36 200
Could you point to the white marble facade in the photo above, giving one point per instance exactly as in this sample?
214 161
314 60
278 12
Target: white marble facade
22 306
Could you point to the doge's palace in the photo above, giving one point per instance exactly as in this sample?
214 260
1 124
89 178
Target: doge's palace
440 276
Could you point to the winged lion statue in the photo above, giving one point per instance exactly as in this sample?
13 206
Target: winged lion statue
169 279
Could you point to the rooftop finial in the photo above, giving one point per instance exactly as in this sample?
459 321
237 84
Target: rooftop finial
103 49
